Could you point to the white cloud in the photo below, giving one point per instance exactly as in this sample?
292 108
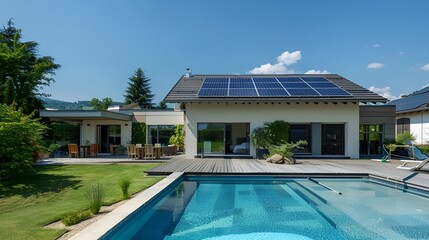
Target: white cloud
375 65
425 67
376 45
288 58
385 92
283 61
312 71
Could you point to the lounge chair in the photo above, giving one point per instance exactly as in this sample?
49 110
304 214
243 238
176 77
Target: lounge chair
414 168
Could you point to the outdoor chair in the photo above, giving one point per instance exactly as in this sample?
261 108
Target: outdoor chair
157 144
149 151
139 145
93 149
414 168
131 149
73 150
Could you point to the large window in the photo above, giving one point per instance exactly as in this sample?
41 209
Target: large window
402 125
333 139
160 134
223 138
299 132
370 139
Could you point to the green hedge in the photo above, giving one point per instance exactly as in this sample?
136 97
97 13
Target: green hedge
138 133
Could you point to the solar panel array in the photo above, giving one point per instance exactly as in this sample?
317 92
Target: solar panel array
271 87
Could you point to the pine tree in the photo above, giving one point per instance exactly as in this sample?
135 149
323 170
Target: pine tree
138 90
162 105
9 93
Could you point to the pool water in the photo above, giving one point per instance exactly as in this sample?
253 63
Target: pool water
280 208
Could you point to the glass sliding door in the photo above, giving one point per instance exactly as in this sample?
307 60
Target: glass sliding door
160 134
223 138
333 139
299 132
108 135
370 139
211 138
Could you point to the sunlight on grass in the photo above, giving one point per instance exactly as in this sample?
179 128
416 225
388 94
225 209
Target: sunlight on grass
29 202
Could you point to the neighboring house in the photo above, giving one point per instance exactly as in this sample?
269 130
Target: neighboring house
333 114
114 127
412 115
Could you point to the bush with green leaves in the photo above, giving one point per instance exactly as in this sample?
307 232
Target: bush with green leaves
75 217
20 141
424 148
285 150
94 195
279 131
403 137
260 137
125 185
178 138
138 133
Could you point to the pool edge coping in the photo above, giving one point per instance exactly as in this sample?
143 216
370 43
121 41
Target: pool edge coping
99 228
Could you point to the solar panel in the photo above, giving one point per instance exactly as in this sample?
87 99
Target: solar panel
213 92
295 85
289 79
221 84
267 92
264 80
315 79
332 92
311 86
268 85
241 83
302 92
242 92
322 85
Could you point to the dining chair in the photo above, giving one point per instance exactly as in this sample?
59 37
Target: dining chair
93 149
131 149
148 151
139 145
73 150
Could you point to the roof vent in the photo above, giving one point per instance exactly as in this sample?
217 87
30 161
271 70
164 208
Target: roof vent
188 72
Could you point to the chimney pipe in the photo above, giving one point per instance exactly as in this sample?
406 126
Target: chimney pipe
188 72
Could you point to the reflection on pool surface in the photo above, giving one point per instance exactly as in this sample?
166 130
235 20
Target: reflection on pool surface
280 208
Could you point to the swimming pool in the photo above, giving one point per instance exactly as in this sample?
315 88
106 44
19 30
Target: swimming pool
280 208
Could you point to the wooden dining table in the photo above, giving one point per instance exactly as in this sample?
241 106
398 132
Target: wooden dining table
141 152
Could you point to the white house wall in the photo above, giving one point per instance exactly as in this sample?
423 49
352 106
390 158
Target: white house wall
89 130
419 126
160 118
258 114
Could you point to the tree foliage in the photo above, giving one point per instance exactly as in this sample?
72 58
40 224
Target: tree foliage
279 131
162 105
21 63
20 140
178 138
138 90
138 133
9 93
103 104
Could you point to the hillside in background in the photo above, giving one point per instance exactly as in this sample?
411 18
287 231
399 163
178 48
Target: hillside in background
63 105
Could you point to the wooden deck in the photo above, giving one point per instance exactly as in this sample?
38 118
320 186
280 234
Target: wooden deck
313 167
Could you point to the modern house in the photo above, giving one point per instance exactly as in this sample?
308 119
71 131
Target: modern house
412 115
114 127
337 117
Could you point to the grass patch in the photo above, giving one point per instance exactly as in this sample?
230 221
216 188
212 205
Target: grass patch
75 217
30 201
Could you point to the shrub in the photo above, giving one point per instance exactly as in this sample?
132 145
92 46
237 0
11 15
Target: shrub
20 140
178 138
424 148
94 196
138 133
75 217
285 150
261 137
402 138
125 185
279 131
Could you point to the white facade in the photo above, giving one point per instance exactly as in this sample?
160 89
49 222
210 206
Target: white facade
419 126
258 114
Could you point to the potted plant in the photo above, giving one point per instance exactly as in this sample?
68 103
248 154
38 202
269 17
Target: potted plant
261 139
283 153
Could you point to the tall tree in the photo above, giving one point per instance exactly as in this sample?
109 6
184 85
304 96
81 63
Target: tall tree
162 105
104 104
138 90
29 72
9 94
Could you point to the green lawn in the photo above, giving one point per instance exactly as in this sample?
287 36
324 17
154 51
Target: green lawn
29 202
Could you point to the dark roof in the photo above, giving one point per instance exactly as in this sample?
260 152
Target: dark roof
79 115
416 101
186 90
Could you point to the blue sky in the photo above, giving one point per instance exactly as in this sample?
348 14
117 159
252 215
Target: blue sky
100 44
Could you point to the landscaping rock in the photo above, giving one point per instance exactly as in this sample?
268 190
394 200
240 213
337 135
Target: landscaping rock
276 158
